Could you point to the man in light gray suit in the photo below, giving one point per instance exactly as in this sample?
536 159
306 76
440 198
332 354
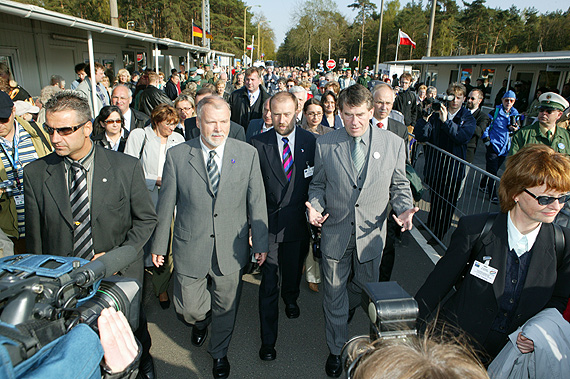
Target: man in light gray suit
215 183
358 170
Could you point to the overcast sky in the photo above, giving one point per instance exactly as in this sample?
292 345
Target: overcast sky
278 12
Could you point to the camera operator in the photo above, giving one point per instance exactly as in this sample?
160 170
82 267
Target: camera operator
446 124
84 200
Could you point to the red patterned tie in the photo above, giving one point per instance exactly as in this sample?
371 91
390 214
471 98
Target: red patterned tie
287 159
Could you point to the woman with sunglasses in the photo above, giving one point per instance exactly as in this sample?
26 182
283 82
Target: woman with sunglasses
150 146
508 267
110 129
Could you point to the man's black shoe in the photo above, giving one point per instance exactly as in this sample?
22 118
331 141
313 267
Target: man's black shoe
333 366
221 368
267 353
199 336
146 368
351 313
292 310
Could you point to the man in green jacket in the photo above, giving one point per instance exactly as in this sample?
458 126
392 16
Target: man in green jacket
544 131
20 144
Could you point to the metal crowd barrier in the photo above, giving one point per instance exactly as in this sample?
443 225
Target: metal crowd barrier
453 188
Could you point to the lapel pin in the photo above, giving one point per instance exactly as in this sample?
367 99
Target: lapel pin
104 180
376 155
233 161
77 223
561 146
302 150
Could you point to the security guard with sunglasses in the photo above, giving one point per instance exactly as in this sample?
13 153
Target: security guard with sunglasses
544 130
20 144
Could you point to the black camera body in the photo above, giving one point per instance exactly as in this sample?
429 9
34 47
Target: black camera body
441 99
43 296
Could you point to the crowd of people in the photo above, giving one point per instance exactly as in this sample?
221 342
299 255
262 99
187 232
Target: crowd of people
207 176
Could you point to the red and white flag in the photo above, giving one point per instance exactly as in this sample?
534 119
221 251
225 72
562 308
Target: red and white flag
250 47
405 39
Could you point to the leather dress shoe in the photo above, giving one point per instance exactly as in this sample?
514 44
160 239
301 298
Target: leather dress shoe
164 304
292 310
221 368
146 368
267 353
199 336
333 366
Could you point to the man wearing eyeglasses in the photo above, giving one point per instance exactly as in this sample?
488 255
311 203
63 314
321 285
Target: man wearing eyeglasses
84 200
20 144
544 131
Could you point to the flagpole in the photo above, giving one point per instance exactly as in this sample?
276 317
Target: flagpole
397 45
192 31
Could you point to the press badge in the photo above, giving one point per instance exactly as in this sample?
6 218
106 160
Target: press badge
483 271
19 199
309 171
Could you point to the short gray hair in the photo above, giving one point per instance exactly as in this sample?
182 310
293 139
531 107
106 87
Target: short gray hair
72 101
124 86
215 101
297 89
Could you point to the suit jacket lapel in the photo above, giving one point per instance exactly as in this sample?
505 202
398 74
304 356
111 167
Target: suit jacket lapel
103 177
196 160
498 246
342 150
57 188
227 164
271 150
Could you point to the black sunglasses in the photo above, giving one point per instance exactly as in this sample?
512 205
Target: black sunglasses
545 200
65 131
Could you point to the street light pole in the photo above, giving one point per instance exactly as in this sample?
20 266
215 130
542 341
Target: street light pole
379 37
245 29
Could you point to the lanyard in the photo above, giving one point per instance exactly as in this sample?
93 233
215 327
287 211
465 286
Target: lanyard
14 159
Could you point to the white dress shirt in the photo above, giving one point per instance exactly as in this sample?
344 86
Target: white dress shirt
253 96
384 122
127 116
217 158
520 243
291 143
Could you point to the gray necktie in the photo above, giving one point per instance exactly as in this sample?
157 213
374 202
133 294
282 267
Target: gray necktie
358 157
213 172
79 199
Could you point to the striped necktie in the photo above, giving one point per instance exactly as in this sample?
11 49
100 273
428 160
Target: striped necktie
101 95
79 199
287 159
213 172
358 154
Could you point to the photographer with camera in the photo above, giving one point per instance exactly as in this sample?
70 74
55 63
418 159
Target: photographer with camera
448 125
497 138
20 144
84 200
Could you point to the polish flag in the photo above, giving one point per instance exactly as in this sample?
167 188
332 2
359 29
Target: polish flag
250 47
406 40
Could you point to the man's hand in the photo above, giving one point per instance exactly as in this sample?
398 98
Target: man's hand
99 255
315 218
260 257
158 260
524 344
443 113
159 181
405 219
117 339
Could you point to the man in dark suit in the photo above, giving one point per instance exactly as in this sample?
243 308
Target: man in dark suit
384 97
172 88
152 96
246 103
215 184
474 99
122 97
358 170
115 210
191 130
260 125
286 155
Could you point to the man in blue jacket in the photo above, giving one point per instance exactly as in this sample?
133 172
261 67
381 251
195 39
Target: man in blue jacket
497 138
450 128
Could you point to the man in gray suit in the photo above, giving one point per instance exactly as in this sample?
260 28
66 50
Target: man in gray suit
358 170
215 183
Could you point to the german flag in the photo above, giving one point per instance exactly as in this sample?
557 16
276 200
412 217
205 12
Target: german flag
196 31
209 35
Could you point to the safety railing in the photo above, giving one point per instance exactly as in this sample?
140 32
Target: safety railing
454 188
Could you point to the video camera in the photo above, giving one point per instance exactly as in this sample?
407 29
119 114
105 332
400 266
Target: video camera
42 297
393 314
435 103
9 187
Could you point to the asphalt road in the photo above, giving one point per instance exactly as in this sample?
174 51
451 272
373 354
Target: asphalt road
301 347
